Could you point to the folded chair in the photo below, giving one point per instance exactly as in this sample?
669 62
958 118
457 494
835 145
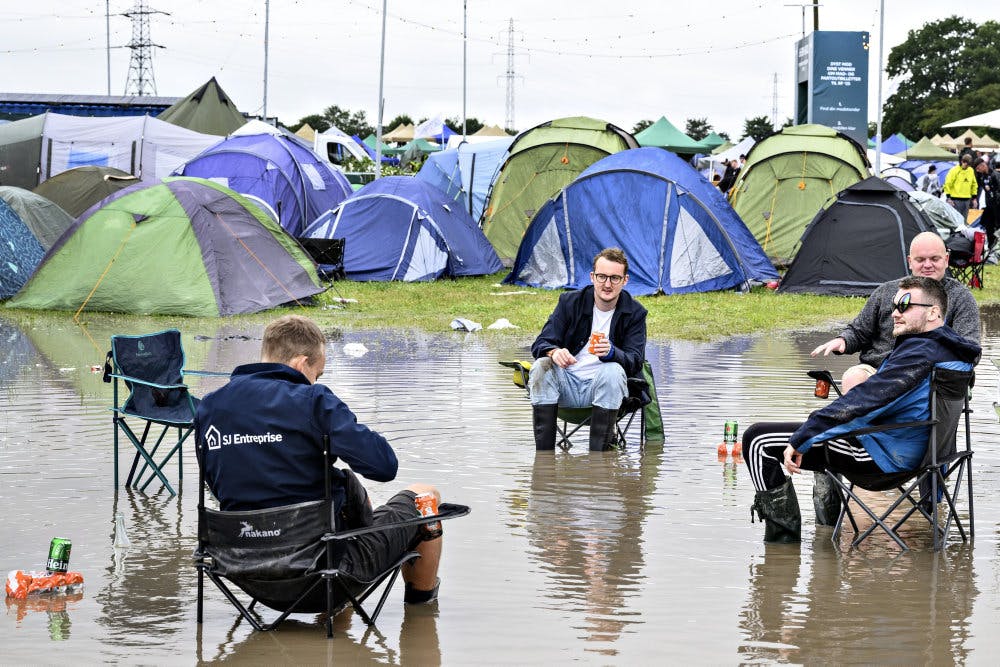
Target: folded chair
641 399
286 558
152 369
923 491
968 267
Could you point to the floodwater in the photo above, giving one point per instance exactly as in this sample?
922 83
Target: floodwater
618 558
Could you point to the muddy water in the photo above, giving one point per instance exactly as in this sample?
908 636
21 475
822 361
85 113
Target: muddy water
614 558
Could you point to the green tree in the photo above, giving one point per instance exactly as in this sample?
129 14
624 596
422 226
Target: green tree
759 127
641 125
401 119
472 125
315 121
948 110
346 121
947 59
697 128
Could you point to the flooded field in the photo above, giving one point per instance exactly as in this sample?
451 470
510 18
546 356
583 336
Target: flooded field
618 558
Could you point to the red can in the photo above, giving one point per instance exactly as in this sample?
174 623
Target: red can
822 389
427 505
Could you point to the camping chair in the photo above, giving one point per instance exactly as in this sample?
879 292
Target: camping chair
152 368
328 254
942 461
286 558
967 267
641 399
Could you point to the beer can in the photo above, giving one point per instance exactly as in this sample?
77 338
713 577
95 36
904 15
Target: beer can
822 389
595 338
427 505
732 428
58 560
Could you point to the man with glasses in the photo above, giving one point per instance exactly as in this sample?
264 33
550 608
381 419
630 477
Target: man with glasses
899 392
592 342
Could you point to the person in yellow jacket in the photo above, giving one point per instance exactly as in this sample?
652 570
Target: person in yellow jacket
960 186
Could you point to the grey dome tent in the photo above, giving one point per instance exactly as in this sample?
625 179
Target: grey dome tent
858 241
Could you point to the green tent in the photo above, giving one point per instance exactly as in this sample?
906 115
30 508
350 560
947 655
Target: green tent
77 189
540 162
788 177
925 149
712 141
663 134
207 110
184 246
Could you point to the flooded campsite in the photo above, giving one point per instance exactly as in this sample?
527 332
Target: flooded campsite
619 557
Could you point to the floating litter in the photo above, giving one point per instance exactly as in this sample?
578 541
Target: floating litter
355 349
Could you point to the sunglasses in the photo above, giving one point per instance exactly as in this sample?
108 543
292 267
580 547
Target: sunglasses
905 302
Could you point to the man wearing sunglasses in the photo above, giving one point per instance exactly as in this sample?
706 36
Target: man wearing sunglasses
899 392
572 371
870 333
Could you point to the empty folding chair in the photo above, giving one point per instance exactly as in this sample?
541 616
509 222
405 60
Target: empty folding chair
967 266
924 491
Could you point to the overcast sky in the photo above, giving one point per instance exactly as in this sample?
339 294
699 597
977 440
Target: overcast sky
621 62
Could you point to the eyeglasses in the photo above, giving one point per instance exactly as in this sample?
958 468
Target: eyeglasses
905 302
603 278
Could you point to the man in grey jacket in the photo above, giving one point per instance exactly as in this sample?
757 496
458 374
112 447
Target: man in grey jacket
870 333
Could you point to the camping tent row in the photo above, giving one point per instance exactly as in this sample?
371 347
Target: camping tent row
676 228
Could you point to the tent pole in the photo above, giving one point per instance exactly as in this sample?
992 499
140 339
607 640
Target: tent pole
878 122
465 77
381 100
267 21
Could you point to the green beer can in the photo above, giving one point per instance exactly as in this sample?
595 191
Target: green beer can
58 560
730 433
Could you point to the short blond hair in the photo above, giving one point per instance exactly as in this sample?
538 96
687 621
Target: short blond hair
291 336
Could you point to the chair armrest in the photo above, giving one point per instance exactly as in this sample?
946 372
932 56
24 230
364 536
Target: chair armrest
826 376
445 511
205 373
880 429
147 383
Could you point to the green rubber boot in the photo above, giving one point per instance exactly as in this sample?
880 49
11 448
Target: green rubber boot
778 508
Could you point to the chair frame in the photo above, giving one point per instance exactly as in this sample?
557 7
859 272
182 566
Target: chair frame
331 577
572 420
112 372
971 272
930 479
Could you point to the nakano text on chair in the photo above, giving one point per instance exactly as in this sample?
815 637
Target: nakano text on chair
641 399
287 558
152 369
923 491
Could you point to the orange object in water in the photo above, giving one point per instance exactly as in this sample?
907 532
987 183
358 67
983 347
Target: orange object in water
737 451
21 584
723 450
595 338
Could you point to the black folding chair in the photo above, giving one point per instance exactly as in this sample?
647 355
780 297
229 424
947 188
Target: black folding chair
152 368
287 558
641 399
924 489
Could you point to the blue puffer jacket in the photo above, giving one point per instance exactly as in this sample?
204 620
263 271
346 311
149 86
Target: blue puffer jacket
898 393
261 438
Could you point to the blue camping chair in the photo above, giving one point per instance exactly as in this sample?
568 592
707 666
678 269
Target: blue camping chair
152 368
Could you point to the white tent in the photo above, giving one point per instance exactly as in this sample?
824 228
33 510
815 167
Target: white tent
988 119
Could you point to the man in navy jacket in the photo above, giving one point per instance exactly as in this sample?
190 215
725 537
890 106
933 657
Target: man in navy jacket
572 371
897 393
260 440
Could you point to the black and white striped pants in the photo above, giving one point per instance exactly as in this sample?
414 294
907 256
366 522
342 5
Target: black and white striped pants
764 446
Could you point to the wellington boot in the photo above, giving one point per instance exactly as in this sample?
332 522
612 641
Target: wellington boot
543 419
826 499
603 429
779 509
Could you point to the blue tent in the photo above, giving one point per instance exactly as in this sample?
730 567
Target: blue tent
386 159
401 228
465 173
276 168
897 143
20 252
677 229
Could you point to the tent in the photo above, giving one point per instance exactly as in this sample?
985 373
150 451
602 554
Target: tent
402 228
79 188
925 149
540 162
306 132
947 141
712 141
939 213
899 177
185 246
896 144
46 220
208 110
857 242
402 133
663 134
20 252
988 119
37 148
466 172
676 228
788 177
279 168
491 131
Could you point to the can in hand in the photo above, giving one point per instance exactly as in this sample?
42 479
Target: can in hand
595 338
731 429
427 505
822 388
58 560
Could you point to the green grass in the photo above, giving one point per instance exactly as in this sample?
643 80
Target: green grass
432 307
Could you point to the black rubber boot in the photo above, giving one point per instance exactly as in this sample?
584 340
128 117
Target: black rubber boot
543 418
603 429
778 508
826 500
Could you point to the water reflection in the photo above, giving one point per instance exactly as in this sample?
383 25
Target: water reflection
56 608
